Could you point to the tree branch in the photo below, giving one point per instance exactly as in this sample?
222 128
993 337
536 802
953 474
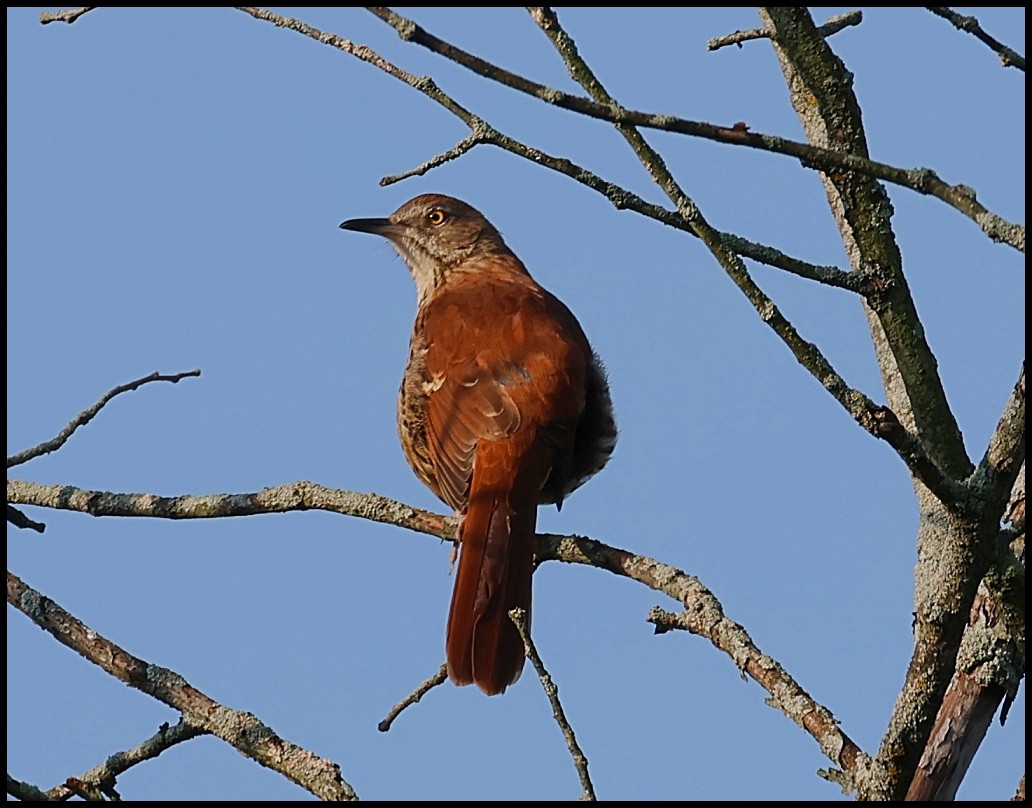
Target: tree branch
954 549
990 666
1008 58
880 422
412 698
704 616
922 180
821 93
482 133
69 16
832 26
297 496
241 730
18 519
580 761
685 589
25 791
102 777
989 670
87 415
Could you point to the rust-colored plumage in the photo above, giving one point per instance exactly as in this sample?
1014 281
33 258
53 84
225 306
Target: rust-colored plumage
503 406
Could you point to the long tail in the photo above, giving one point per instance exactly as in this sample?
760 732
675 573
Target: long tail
496 563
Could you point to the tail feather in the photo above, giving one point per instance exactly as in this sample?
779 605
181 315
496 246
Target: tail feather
496 563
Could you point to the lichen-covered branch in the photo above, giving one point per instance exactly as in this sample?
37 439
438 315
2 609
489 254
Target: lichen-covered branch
1005 455
821 92
922 180
297 496
704 616
954 544
102 777
878 421
989 670
239 729
685 589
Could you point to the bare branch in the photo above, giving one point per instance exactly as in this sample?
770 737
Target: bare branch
69 16
580 761
953 553
1008 58
863 214
239 729
298 496
832 26
879 421
103 775
18 519
483 133
704 612
87 415
867 414
459 149
761 253
922 180
413 697
25 791
303 496
963 719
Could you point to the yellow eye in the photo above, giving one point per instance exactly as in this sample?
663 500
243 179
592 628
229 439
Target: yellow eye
437 217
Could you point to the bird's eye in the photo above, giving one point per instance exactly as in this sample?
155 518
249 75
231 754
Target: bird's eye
437 217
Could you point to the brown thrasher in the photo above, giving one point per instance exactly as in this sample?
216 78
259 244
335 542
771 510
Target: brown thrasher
503 406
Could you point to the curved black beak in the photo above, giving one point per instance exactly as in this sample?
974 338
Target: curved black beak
378 227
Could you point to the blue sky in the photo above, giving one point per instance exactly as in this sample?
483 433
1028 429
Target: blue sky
175 182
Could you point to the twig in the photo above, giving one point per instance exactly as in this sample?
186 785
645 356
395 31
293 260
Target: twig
482 133
69 16
1008 58
771 256
413 697
878 421
239 729
18 519
87 415
832 26
922 180
459 149
704 617
704 611
103 775
580 761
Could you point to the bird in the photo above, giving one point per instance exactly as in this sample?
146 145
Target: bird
503 407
